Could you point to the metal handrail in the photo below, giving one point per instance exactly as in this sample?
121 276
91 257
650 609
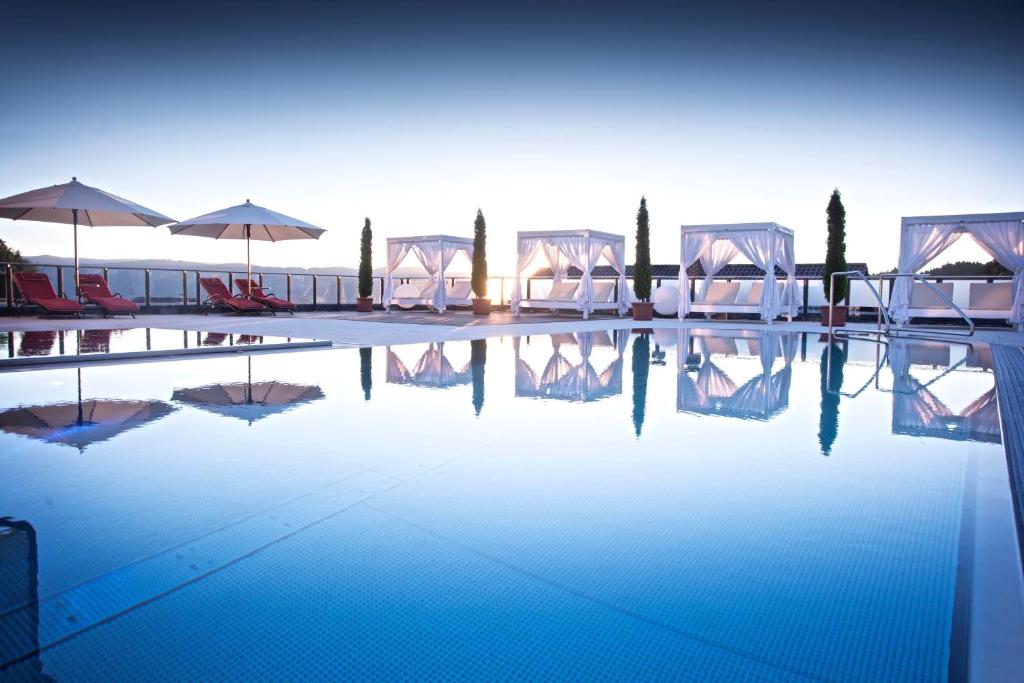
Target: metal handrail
832 292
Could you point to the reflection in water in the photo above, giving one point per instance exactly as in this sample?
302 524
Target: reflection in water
214 339
433 369
366 370
713 392
478 361
19 603
95 341
563 380
641 369
81 423
833 358
37 343
249 401
917 411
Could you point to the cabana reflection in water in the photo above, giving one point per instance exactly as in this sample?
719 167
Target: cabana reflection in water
567 380
713 392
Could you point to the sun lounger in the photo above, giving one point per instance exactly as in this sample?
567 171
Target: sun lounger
989 301
95 290
562 296
721 298
218 294
36 289
424 295
251 290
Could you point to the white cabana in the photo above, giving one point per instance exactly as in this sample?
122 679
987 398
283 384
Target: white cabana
435 253
766 245
917 411
922 238
713 392
564 380
433 369
581 249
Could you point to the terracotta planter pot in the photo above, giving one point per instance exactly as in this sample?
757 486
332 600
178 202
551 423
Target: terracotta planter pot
364 304
838 315
481 306
643 310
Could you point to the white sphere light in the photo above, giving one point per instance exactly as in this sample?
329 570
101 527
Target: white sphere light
666 300
407 291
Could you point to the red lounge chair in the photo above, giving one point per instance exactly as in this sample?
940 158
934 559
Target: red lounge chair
36 289
253 291
95 290
218 294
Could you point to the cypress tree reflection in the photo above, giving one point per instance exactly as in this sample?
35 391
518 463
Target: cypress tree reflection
641 368
477 361
828 423
366 370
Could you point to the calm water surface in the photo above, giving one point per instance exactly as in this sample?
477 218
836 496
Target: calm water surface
684 505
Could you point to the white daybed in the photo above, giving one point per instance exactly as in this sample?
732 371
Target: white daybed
581 249
922 238
766 245
435 253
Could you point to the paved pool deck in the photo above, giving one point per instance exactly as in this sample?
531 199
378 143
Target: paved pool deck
349 329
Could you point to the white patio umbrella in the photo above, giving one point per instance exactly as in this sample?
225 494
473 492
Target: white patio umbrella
76 203
247 222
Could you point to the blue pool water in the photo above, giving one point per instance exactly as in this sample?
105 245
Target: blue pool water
689 505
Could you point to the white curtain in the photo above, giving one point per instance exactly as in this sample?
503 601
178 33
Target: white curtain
448 252
615 254
787 261
759 246
559 266
430 255
692 246
713 260
396 253
582 252
1004 241
527 250
919 244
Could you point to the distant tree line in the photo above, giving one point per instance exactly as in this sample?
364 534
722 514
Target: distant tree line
967 268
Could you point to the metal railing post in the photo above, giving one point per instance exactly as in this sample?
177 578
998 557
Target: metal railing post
501 291
148 292
807 298
184 288
529 282
288 286
106 275
199 290
338 293
9 277
260 276
314 292
231 282
60 281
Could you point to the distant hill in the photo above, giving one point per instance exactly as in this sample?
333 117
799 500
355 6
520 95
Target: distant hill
965 268
188 265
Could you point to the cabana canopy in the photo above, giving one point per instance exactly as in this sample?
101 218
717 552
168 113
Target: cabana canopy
564 380
713 392
581 249
922 238
435 253
766 245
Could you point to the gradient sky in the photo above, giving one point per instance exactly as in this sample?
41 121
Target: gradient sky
544 114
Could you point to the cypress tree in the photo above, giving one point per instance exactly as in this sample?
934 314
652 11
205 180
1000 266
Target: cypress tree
642 266
641 370
366 370
835 253
828 420
366 261
479 275
478 362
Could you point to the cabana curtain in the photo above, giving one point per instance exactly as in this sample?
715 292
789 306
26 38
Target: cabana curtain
766 245
923 240
578 248
435 254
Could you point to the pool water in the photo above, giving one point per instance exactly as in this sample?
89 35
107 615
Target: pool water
691 504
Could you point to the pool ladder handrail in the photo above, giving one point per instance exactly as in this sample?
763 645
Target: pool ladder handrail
884 311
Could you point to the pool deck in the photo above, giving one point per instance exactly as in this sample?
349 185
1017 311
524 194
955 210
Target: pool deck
349 329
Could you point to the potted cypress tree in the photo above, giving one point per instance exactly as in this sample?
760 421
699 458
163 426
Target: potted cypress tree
364 302
478 363
366 370
835 262
481 304
644 308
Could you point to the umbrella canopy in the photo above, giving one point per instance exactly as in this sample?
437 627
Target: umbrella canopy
78 204
247 222
81 424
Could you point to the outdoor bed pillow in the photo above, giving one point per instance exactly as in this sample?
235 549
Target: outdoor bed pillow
460 290
562 291
428 290
603 291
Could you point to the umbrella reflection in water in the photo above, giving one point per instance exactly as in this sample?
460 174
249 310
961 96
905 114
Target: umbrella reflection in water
249 401
81 423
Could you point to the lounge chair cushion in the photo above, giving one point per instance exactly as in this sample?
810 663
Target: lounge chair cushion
427 292
563 291
997 296
460 290
722 293
922 296
603 291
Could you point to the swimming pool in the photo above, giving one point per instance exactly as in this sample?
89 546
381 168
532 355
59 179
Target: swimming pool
688 504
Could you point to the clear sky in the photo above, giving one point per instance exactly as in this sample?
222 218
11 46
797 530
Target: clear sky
553 114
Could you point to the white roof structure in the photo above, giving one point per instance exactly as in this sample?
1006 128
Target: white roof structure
922 238
766 245
434 252
712 392
580 249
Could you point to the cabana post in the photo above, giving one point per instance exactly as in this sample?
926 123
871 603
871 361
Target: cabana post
435 253
766 245
923 238
580 249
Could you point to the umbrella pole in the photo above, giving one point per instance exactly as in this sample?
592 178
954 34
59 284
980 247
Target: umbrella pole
248 262
74 219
